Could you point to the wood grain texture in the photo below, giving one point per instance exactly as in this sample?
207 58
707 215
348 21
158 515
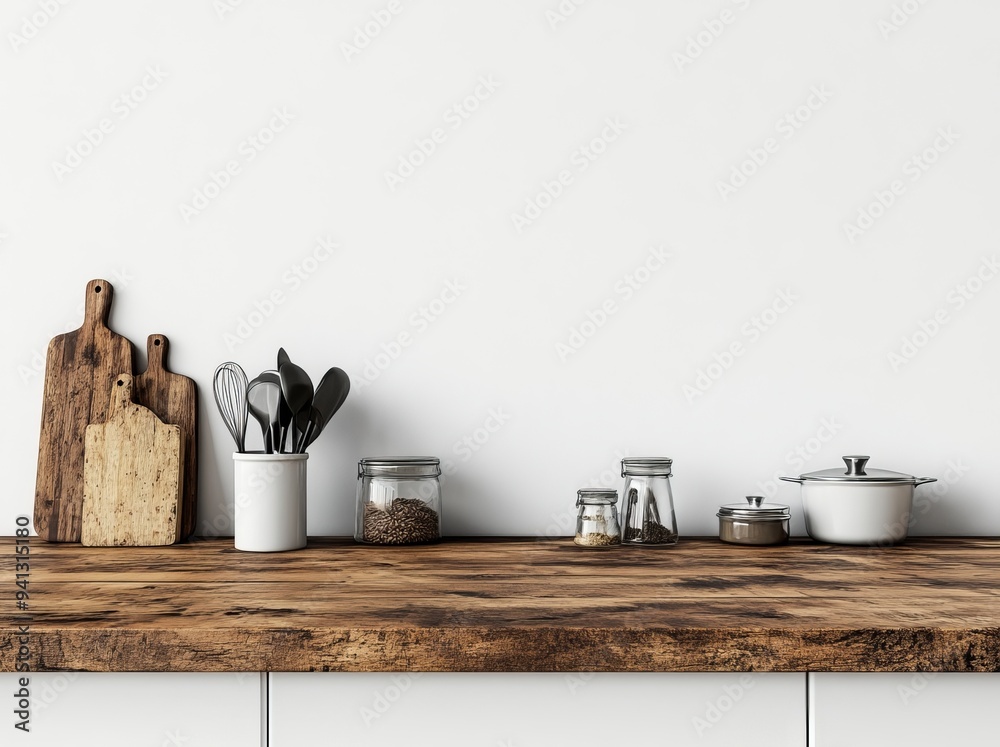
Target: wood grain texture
79 369
133 471
515 605
174 399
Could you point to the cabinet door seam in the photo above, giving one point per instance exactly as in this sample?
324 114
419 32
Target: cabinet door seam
265 709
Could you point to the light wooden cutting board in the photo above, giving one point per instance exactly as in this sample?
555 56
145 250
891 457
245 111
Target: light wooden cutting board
133 476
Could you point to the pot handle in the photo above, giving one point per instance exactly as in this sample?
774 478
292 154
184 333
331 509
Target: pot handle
923 480
794 479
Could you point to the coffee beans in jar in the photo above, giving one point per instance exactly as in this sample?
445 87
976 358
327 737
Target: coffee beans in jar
652 532
399 500
405 522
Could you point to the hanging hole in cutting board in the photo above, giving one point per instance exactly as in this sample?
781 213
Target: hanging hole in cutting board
97 289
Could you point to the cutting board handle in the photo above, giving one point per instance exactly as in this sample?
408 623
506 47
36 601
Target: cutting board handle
156 352
97 304
121 396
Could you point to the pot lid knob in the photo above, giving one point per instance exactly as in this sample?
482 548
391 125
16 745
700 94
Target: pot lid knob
755 500
856 464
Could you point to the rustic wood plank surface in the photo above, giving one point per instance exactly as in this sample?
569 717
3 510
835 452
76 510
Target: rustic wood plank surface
513 605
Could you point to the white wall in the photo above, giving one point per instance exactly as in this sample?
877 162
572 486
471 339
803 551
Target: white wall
686 127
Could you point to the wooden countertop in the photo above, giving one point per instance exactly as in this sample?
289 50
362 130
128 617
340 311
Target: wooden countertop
509 605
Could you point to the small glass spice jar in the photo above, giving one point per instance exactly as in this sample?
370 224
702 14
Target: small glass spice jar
399 500
753 522
597 518
648 503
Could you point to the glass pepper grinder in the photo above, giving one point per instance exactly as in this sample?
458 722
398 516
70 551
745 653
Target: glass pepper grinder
648 503
597 518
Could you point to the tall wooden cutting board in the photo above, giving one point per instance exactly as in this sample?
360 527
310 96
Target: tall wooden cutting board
79 369
132 476
174 399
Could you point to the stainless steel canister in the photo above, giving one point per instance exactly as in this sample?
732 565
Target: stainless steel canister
753 522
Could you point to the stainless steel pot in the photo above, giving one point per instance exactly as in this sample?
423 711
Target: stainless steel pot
753 522
858 506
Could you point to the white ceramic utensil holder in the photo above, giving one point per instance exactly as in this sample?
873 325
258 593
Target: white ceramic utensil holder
270 502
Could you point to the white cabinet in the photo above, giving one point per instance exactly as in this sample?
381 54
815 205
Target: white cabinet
537 710
507 710
917 710
138 709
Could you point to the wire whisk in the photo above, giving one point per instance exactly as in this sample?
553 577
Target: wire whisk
230 387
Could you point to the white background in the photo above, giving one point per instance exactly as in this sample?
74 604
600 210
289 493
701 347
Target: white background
568 417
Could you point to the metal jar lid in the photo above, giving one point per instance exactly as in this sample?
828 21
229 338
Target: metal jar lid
754 510
857 473
655 466
596 496
399 467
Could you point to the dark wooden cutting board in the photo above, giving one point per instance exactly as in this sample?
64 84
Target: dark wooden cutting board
80 368
174 399
132 476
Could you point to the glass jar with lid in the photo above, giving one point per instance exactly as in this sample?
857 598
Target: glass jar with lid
597 518
648 503
399 500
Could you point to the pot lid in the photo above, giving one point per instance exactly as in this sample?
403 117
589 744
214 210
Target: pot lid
857 472
755 509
